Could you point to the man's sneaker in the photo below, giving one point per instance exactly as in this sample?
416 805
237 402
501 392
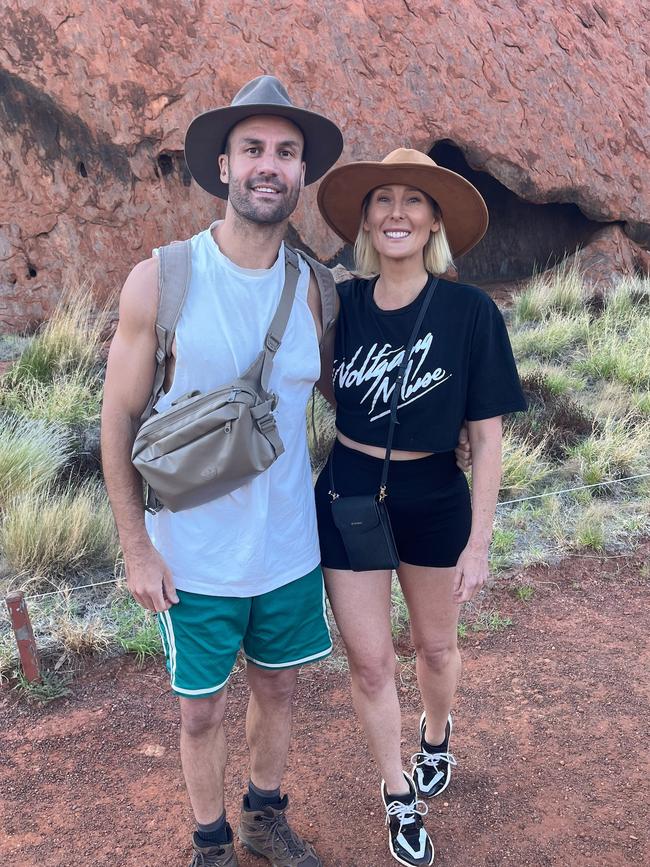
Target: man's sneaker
407 837
432 770
267 833
218 855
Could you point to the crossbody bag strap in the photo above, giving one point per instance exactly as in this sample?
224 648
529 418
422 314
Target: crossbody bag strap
274 335
395 397
174 275
398 385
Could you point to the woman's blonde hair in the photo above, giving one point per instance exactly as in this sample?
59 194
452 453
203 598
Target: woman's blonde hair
436 253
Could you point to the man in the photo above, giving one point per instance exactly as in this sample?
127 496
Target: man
242 569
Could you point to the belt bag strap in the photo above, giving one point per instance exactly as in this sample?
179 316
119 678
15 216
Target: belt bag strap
278 325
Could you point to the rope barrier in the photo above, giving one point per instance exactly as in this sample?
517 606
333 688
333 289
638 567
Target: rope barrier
499 505
570 490
70 589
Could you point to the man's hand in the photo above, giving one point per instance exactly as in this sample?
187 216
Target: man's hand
150 581
470 574
463 451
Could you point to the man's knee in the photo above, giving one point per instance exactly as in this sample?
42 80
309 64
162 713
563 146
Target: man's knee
202 715
272 686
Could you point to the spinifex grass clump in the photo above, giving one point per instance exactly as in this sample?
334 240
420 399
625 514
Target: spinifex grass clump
616 449
320 429
68 344
31 456
631 296
554 420
524 465
552 339
67 400
560 291
48 534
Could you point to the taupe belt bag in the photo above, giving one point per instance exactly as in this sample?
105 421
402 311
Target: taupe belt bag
207 445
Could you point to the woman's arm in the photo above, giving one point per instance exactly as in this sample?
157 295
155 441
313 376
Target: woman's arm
472 567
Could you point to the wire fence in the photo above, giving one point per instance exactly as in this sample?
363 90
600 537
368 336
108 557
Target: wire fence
604 484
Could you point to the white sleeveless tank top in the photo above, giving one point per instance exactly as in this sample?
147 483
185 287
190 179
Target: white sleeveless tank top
263 535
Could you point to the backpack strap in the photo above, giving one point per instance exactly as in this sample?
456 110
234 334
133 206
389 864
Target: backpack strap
326 289
174 275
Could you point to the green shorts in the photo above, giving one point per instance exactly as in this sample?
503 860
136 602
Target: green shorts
283 628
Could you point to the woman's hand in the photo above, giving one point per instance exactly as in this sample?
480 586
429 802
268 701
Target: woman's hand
471 573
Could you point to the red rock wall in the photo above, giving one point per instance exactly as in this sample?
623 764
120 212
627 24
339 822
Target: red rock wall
550 98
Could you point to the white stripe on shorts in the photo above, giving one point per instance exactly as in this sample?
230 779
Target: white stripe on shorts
167 627
293 662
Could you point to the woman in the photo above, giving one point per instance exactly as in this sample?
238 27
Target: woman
407 217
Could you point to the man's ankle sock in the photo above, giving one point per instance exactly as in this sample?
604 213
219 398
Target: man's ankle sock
260 798
214 833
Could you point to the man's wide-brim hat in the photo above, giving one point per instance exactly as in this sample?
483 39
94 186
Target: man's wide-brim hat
207 134
464 212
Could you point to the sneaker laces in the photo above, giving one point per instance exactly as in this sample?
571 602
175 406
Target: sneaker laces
407 814
284 841
431 760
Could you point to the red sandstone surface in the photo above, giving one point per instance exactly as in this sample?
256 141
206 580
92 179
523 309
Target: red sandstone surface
549 99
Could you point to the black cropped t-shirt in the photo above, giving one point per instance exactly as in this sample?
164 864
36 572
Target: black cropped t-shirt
461 366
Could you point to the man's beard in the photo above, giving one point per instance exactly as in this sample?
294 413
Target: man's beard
265 212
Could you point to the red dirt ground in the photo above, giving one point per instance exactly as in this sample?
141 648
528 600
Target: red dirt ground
551 734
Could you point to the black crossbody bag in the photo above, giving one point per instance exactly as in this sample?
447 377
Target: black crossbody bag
363 520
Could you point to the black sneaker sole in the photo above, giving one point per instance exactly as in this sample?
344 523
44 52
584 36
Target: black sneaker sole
410 863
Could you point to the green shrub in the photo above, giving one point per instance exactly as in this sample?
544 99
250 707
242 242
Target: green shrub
134 629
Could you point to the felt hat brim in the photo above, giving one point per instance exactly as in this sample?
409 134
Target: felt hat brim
207 134
343 190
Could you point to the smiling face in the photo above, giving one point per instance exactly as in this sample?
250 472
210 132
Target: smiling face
399 220
263 168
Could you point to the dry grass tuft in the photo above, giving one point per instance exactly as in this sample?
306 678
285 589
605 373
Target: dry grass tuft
32 453
48 534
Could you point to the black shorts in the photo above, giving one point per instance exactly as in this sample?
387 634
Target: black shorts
428 503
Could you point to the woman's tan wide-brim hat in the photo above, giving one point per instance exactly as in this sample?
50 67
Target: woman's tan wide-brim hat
464 212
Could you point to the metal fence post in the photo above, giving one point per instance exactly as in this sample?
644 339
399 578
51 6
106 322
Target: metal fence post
24 635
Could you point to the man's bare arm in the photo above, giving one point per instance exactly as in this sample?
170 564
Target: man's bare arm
129 380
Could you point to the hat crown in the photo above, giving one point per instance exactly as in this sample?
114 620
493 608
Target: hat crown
263 90
408 155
